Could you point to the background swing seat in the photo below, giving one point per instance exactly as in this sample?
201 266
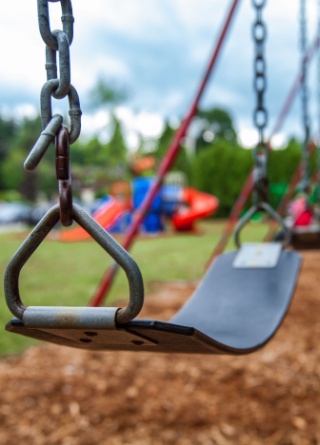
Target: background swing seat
233 311
306 238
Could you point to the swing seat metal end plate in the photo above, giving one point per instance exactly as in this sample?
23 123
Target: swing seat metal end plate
258 255
84 328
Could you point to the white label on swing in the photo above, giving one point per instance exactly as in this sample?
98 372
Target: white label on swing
257 255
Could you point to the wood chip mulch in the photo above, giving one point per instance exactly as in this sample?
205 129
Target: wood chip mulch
52 395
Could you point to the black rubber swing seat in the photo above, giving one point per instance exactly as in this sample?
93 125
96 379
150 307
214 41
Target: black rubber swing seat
233 311
306 238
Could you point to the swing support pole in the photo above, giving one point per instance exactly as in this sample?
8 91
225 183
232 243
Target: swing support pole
166 163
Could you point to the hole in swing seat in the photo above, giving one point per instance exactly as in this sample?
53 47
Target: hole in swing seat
137 342
85 340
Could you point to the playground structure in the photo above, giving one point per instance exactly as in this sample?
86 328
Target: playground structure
182 206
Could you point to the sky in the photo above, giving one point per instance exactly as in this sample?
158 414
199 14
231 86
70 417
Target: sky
157 50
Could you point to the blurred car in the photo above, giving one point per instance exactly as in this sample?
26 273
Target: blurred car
38 212
15 212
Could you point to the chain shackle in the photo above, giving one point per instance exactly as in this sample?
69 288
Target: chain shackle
75 112
63 174
260 179
44 22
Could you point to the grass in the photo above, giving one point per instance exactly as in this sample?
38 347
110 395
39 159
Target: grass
68 274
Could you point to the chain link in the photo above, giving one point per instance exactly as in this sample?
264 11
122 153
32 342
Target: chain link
44 21
305 182
318 108
47 92
260 114
64 64
318 73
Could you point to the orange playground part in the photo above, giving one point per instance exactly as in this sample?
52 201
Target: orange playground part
198 205
106 216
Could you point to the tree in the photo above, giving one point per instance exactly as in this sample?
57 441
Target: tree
182 161
13 174
8 130
221 170
283 163
116 147
107 94
213 124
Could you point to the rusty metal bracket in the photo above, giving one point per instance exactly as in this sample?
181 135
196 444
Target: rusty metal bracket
109 244
264 207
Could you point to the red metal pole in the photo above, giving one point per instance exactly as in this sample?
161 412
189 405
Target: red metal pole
166 163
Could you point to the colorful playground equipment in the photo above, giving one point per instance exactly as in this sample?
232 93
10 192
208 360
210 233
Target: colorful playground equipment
182 206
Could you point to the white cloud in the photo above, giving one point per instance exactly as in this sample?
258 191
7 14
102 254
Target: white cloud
159 48
146 124
248 137
278 140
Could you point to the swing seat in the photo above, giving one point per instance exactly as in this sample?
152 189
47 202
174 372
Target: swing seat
233 311
306 237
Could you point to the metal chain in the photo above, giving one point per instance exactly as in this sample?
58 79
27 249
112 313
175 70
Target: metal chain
318 107
57 41
318 73
305 182
259 32
260 114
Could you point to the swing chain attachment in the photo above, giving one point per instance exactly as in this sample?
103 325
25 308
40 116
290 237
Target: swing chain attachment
260 118
62 316
66 211
266 208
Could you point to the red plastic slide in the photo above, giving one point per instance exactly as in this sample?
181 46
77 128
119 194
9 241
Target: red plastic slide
106 216
198 205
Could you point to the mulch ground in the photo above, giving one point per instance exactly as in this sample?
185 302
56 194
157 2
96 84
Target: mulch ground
53 395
